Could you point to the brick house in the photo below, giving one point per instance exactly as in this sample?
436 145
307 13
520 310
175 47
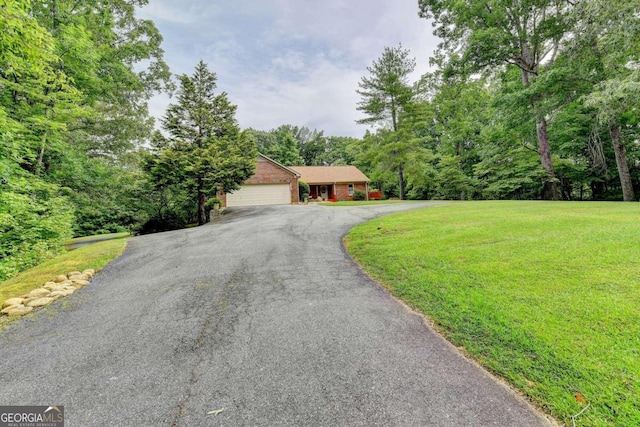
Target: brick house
335 183
275 184
270 184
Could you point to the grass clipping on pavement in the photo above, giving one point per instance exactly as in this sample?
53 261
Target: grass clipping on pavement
545 294
94 256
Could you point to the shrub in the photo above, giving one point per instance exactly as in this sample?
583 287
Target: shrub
170 221
303 190
359 195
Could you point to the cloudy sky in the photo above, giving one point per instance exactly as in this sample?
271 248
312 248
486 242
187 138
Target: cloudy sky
289 61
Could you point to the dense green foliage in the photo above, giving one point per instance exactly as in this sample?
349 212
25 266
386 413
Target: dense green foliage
386 98
279 144
547 295
529 100
205 151
300 146
71 104
303 190
359 195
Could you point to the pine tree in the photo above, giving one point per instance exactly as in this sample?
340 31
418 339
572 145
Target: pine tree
385 97
205 140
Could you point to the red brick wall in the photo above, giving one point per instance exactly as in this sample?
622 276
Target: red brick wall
342 190
268 173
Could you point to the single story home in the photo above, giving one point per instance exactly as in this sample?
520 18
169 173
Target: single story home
270 184
335 183
275 184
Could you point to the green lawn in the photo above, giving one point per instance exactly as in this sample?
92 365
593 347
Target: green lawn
545 294
365 202
98 236
94 256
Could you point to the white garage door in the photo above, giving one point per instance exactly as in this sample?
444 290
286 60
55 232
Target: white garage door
255 195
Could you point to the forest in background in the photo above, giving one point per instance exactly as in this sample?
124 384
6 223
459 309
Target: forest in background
528 100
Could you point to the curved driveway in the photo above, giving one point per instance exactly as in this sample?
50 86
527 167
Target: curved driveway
260 315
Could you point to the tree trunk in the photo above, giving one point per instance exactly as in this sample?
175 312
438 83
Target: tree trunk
401 181
623 167
202 200
550 191
43 146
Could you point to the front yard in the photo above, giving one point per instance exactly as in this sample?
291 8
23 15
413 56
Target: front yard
544 294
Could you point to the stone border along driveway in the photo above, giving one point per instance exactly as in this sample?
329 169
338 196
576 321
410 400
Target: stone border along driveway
61 286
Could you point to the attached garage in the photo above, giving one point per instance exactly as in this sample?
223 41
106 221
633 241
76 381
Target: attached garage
271 184
256 195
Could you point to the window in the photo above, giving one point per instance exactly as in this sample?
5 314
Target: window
351 189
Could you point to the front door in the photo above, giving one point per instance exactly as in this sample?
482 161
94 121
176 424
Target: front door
324 192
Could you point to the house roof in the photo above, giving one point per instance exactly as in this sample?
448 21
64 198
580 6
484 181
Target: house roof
288 169
330 174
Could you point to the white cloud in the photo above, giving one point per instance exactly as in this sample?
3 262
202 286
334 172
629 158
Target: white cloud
182 12
324 96
289 61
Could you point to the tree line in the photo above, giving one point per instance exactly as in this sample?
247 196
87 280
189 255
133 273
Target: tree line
528 100
72 111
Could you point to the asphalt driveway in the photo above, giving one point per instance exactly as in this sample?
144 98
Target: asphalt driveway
260 319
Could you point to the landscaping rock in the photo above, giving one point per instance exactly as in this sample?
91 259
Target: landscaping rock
19 311
61 286
40 292
39 302
11 307
12 301
56 287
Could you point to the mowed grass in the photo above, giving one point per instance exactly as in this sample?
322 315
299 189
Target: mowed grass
365 202
94 256
545 294
98 236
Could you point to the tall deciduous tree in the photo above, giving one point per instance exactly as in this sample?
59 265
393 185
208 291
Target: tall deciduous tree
604 51
35 219
115 60
205 144
484 34
385 95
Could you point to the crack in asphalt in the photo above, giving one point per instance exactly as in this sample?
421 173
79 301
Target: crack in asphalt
209 332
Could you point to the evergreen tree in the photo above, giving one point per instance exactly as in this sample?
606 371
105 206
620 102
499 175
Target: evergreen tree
205 148
385 94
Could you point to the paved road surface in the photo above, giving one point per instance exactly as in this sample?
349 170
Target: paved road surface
262 315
